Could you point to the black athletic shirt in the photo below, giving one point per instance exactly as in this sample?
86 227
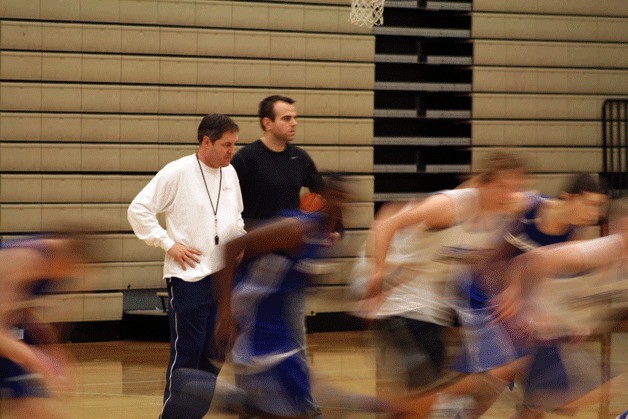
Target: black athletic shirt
271 181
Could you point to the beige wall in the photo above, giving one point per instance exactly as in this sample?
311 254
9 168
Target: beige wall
542 70
95 94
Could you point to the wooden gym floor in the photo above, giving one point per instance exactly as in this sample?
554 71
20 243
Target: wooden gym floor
125 379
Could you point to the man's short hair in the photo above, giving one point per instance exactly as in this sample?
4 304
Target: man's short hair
584 182
267 107
500 161
214 126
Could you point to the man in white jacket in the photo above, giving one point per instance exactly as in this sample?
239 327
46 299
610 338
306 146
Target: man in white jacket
200 197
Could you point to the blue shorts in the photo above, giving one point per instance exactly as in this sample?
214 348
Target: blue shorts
487 344
283 390
16 382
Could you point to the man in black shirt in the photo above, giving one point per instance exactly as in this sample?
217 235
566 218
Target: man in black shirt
271 170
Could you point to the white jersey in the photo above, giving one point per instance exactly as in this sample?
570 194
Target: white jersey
582 303
421 263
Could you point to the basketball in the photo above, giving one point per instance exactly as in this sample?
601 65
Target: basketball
312 202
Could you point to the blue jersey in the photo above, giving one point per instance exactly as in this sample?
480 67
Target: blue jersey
523 236
43 285
15 381
268 301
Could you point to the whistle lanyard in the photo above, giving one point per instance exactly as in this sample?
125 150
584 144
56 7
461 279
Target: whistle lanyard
214 209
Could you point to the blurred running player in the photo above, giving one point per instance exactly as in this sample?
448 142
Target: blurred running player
31 365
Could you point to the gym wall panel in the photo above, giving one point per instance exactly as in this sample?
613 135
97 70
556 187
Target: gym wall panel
552 184
55 96
361 188
358 215
168 153
18 157
20 126
356 131
549 27
177 41
96 188
136 129
124 275
92 10
20 65
138 69
102 99
143 158
572 7
96 129
345 159
553 54
61 189
60 67
20 188
93 37
20 8
97 38
541 80
109 188
55 37
82 307
96 158
21 35
137 11
20 96
553 133
187 71
320 46
61 9
99 68
18 218
102 306
530 106
176 12
131 186
67 127
550 159
63 308
54 216
140 39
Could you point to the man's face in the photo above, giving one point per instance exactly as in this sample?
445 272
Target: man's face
587 208
219 152
505 190
285 123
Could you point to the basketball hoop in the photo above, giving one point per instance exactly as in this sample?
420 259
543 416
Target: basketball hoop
367 12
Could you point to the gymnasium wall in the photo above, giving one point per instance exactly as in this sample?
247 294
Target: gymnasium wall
97 95
542 70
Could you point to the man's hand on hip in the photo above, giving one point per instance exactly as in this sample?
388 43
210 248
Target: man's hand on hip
183 255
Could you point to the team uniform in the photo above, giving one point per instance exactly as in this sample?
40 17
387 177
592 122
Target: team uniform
560 371
268 303
15 381
487 344
417 285
555 374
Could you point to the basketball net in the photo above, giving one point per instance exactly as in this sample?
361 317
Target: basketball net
367 12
